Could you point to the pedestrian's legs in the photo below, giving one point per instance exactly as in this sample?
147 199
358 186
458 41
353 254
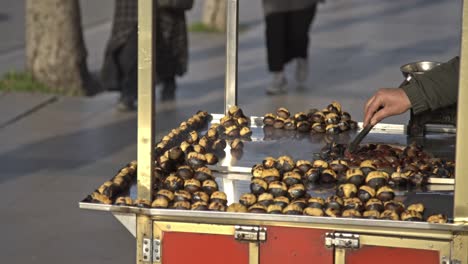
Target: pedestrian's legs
276 43
129 70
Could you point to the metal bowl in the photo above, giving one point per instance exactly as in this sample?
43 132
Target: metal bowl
419 67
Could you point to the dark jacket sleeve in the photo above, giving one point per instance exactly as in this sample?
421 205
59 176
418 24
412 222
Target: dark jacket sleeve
436 88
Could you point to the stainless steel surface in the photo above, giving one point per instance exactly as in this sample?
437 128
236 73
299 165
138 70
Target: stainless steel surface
231 53
157 252
418 67
250 233
147 250
461 195
342 240
128 220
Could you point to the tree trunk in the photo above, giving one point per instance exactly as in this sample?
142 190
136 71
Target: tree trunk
55 49
214 14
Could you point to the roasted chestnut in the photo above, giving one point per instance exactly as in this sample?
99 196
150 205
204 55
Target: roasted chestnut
292 209
192 185
173 183
296 191
374 204
411 215
351 213
355 176
248 199
303 165
312 175
365 193
318 127
333 212
320 164
301 202
257 209
339 166
217 206
212 134
376 179
282 201
318 117
303 126
211 158
205 142
258 186
269 119
367 166
196 160
182 195
243 122
200 197
389 215
237 144
232 131
353 203
345 116
289 124
142 203
283 113
209 186
235 112
275 209
332 118
316 202
237 208
202 174
108 189
165 194
385 193
372 214
418 207
437 219
311 211
192 137
175 153
285 164
279 122
257 171
398 207
417 179
271 175
219 197
332 129
160 202
245 132
334 202
277 188
347 190
227 121
399 177
122 201
265 199
291 178
269 162
200 206
184 172
328 176
219 145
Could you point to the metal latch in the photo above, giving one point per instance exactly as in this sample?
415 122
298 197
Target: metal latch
448 261
341 240
151 250
250 233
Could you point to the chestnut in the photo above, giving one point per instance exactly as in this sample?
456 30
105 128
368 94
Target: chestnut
347 190
316 202
385 193
334 202
333 212
345 116
175 153
219 197
124 201
303 126
196 160
417 179
200 197
418 207
237 144
235 112
328 176
279 123
219 145
209 186
199 206
269 119
232 131
410 215
182 195
277 188
320 164
389 215
282 201
257 171
192 137
160 202
376 179
184 172
291 178
275 209
365 193
310 211
211 134
199 149
398 207
258 186
243 122
292 209
332 119
303 165
173 183
227 121
283 113
318 127
353 203
437 219
165 194
192 185
265 199
202 174
245 132
211 158
300 116
339 166
142 203
367 166
217 206
205 142
352 124
248 199
108 189
301 202
237 208
271 175
351 213
318 117
374 204
371 214
399 177
332 129
269 162
355 176
312 175
257 209
285 164
289 124
296 191
334 107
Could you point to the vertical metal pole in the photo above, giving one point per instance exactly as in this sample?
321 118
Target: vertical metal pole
461 167
146 119
232 36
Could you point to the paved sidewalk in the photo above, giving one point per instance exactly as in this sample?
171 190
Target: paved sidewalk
59 152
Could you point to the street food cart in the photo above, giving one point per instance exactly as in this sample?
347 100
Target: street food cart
202 236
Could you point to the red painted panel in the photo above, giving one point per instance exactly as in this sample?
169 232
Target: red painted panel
178 248
295 245
387 255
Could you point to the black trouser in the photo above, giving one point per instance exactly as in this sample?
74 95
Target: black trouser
128 65
287 36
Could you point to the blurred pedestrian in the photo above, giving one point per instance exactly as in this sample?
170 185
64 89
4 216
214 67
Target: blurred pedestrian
287 38
120 69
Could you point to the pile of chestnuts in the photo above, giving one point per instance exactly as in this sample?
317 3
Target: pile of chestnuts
331 120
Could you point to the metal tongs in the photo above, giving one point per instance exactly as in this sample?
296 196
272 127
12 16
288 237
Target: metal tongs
353 146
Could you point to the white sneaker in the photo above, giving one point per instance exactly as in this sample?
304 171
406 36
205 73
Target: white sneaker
302 70
278 84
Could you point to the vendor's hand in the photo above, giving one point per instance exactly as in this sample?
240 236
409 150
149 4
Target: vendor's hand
392 101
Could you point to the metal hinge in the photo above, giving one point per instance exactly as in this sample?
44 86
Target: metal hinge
341 240
250 233
151 250
450 261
